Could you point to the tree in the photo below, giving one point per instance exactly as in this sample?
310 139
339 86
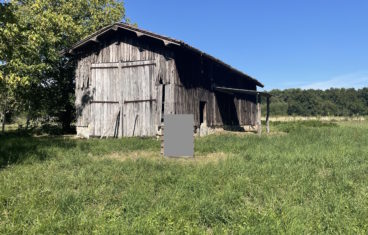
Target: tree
337 102
32 36
8 80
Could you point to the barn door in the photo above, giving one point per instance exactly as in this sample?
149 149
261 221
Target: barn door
139 98
105 108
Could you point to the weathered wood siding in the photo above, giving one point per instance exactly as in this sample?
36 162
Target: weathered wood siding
120 85
139 99
123 75
193 84
104 106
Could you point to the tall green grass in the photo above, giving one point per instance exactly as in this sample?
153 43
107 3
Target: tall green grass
313 179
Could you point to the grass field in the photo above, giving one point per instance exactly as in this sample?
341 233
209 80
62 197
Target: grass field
304 177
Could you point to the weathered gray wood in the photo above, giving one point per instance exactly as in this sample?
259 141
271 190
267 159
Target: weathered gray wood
139 115
139 101
104 65
159 95
104 102
111 126
130 69
120 131
119 94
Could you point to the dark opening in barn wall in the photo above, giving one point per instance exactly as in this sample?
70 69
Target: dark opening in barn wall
227 109
202 112
198 75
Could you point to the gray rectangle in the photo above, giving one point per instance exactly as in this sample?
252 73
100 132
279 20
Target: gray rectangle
178 135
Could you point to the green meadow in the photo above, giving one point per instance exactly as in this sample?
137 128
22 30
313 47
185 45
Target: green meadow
303 177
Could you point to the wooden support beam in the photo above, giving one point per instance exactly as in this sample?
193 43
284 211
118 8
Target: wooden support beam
120 131
242 91
112 123
139 101
268 115
104 102
259 123
121 104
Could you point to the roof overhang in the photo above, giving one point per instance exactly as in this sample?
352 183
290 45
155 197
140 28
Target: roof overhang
241 91
167 41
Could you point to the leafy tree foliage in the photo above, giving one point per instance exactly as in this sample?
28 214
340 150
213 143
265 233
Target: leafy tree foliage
7 98
32 34
331 102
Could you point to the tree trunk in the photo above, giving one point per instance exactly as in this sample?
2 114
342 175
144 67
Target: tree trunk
28 117
3 121
27 122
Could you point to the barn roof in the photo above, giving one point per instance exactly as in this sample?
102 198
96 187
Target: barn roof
166 40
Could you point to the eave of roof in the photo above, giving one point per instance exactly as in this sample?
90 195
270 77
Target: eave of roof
166 40
242 91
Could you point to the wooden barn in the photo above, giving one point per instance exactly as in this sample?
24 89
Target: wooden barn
128 78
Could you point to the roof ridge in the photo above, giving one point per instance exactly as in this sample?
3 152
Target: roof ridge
167 40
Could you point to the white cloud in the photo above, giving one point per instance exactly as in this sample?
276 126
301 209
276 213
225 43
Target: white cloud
352 80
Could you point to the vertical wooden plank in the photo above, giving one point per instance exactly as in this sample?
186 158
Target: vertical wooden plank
137 112
115 98
104 118
129 50
94 105
99 87
159 104
169 99
92 117
101 106
110 107
105 86
120 95
124 98
141 73
121 126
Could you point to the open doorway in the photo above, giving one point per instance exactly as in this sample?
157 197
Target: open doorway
202 113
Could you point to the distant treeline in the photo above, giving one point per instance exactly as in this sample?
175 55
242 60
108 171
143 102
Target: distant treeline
331 102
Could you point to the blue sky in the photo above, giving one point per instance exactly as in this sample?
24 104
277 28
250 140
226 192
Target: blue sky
284 43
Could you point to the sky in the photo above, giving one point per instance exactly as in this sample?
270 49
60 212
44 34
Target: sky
306 44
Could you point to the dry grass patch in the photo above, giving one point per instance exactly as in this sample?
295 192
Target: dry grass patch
314 118
131 155
152 155
324 173
273 132
202 159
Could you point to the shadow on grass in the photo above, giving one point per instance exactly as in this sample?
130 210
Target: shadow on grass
20 147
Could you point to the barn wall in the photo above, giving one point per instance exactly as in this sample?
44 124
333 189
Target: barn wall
123 48
193 81
185 77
